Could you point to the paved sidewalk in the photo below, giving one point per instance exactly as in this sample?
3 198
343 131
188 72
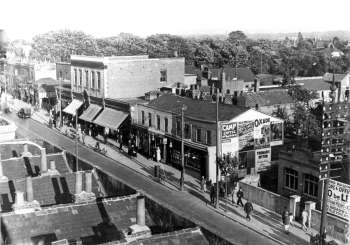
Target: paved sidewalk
263 221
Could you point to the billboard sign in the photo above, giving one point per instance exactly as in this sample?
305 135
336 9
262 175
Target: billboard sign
276 133
262 159
246 135
228 131
339 199
262 133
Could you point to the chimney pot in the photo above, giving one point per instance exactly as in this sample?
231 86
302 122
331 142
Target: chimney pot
78 182
19 198
43 160
25 148
140 216
29 189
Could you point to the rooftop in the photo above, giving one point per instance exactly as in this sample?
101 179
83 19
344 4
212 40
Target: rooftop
242 73
265 98
191 236
196 109
313 83
19 168
96 222
337 77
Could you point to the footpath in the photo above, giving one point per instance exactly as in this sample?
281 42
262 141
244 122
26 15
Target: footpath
265 222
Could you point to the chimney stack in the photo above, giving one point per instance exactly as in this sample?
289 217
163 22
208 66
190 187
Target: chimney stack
43 161
25 148
140 215
88 182
78 182
2 177
29 189
52 165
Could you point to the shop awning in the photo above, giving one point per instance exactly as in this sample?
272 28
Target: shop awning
73 107
90 113
110 118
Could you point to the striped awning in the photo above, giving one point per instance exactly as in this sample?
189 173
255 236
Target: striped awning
111 118
73 107
90 113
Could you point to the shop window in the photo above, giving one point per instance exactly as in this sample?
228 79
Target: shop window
166 124
98 80
86 79
149 120
291 179
208 137
163 75
310 185
158 122
199 134
143 117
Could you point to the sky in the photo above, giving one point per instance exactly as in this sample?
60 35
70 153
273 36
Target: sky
23 19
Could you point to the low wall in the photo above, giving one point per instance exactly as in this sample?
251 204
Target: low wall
264 198
336 227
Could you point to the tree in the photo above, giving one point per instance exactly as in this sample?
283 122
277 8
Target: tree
236 37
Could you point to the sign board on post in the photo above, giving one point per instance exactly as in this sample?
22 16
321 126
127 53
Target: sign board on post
339 199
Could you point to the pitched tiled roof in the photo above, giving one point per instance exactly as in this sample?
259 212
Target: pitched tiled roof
314 84
92 223
191 236
191 69
197 109
337 77
268 79
47 190
19 168
243 73
265 98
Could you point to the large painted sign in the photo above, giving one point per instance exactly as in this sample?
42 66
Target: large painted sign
339 199
276 133
262 159
228 131
262 133
246 135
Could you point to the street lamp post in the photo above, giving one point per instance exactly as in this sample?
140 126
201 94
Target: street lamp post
182 179
217 148
76 140
61 123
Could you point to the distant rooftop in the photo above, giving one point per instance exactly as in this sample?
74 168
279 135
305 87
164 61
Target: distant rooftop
241 73
313 83
265 98
196 109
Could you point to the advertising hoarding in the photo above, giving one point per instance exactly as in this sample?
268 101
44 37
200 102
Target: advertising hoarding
276 133
246 135
262 134
228 131
262 159
339 199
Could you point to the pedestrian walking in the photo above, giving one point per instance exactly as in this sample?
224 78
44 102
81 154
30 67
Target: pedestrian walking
239 197
203 184
158 154
212 194
304 217
285 220
248 208
120 141
83 136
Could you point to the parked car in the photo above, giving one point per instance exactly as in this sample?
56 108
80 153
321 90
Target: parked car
25 112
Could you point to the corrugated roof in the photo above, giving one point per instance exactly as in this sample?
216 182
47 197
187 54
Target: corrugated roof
197 109
111 118
15 150
90 113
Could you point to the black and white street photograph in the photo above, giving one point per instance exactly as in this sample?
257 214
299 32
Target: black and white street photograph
166 122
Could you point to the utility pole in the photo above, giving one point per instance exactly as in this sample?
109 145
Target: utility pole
182 179
217 148
76 140
61 123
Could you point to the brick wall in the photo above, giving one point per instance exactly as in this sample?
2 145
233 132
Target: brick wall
126 79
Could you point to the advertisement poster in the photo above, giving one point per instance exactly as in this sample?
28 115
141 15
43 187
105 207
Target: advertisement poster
276 133
262 159
339 199
246 135
262 133
228 131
